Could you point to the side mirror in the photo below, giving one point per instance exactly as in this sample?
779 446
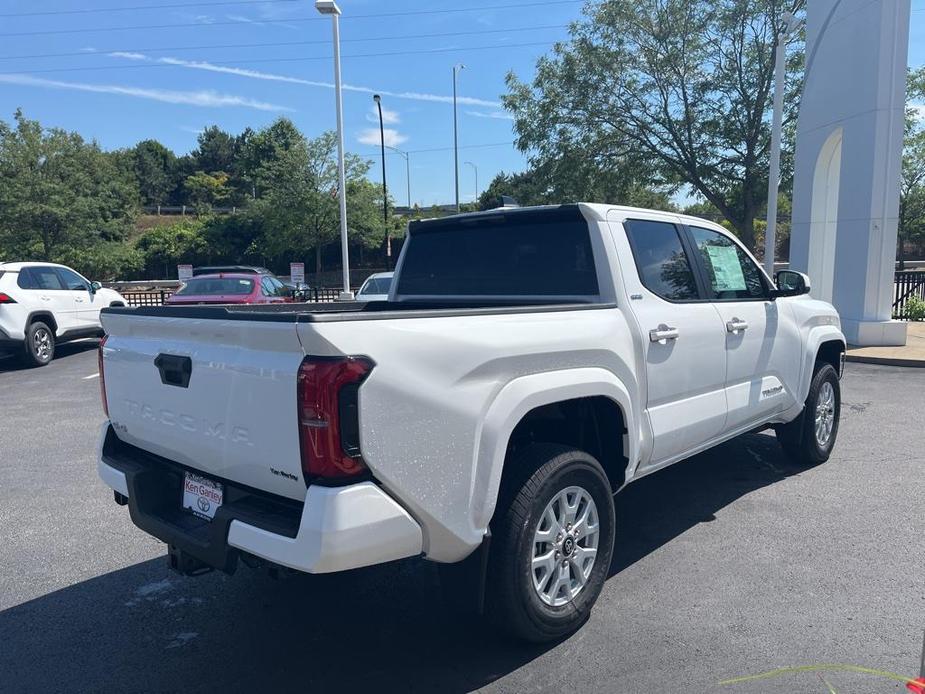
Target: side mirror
95 287
791 283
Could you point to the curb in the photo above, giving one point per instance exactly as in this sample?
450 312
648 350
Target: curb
885 361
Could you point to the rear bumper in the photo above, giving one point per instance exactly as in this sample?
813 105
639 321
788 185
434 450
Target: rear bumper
337 528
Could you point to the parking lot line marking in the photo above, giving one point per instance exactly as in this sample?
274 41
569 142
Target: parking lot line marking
87 378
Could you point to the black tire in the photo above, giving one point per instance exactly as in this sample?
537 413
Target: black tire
798 438
39 348
541 472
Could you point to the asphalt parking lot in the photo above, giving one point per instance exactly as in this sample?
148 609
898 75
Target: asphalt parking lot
729 564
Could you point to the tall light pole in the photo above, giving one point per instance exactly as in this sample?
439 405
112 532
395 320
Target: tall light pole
385 190
476 169
407 156
330 7
780 77
456 69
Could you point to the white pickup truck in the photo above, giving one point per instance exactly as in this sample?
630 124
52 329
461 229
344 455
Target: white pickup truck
528 364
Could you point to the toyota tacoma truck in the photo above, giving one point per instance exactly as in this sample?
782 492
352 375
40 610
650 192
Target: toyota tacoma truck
528 364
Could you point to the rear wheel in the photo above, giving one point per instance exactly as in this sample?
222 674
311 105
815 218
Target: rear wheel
810 438
552 545
40 344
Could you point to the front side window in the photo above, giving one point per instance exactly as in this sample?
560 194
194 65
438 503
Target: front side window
72 280
46 278
663 265
280 288
730 272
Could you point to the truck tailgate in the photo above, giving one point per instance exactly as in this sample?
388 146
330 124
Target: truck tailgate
234 417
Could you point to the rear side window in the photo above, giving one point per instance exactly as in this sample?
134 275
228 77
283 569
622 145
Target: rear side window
25 279
661 261
504 255
224 286
45 278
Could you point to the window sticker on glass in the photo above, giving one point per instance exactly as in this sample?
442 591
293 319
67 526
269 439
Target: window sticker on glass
727 270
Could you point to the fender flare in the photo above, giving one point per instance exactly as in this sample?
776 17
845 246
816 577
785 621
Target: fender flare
817 335
514 401
43 314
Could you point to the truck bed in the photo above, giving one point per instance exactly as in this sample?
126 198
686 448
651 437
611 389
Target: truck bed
355 310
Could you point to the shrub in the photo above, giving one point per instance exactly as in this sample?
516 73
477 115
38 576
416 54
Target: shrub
915 309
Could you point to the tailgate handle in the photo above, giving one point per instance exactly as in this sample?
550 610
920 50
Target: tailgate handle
174 370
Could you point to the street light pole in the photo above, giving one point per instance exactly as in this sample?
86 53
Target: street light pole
456 69
407 156
780 77
476 169
330 7
385 190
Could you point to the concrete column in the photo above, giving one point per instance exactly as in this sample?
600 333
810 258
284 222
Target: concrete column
847 166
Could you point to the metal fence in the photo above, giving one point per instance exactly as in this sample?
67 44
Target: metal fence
905 285
157 297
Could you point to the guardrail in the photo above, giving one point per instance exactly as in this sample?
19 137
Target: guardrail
158 297
905 285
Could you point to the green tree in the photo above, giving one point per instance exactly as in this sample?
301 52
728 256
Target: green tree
260 153
59 192
217 150
676 88
207 190
155 168
298 205
164 247
912 179
104 261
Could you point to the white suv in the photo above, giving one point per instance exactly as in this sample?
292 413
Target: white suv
42 304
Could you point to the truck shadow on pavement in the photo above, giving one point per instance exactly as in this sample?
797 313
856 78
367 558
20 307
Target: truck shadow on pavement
12 362
142 628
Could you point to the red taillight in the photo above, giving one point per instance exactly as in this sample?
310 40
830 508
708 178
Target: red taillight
6 299
103 375
328 422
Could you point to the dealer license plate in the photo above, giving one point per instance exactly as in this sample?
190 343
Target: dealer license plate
201 496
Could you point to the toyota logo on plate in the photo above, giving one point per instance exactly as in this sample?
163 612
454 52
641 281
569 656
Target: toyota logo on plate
204 505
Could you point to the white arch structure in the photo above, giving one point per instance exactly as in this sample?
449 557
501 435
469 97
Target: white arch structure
823 223
847 166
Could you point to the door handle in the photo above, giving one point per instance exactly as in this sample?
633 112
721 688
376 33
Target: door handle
79 301
46 298
663 333
735 325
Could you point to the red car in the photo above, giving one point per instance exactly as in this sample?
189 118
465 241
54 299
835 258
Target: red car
231 288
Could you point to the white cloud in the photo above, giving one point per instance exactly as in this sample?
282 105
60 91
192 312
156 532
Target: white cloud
501 115
370 136
272 77
389 117
127 55
206 98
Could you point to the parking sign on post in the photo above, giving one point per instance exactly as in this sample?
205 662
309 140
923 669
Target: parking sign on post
184 272
297 273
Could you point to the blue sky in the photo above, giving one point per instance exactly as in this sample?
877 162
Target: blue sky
120 76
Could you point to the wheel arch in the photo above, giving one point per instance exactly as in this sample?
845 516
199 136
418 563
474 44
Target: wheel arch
824 342
526 401
46 317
